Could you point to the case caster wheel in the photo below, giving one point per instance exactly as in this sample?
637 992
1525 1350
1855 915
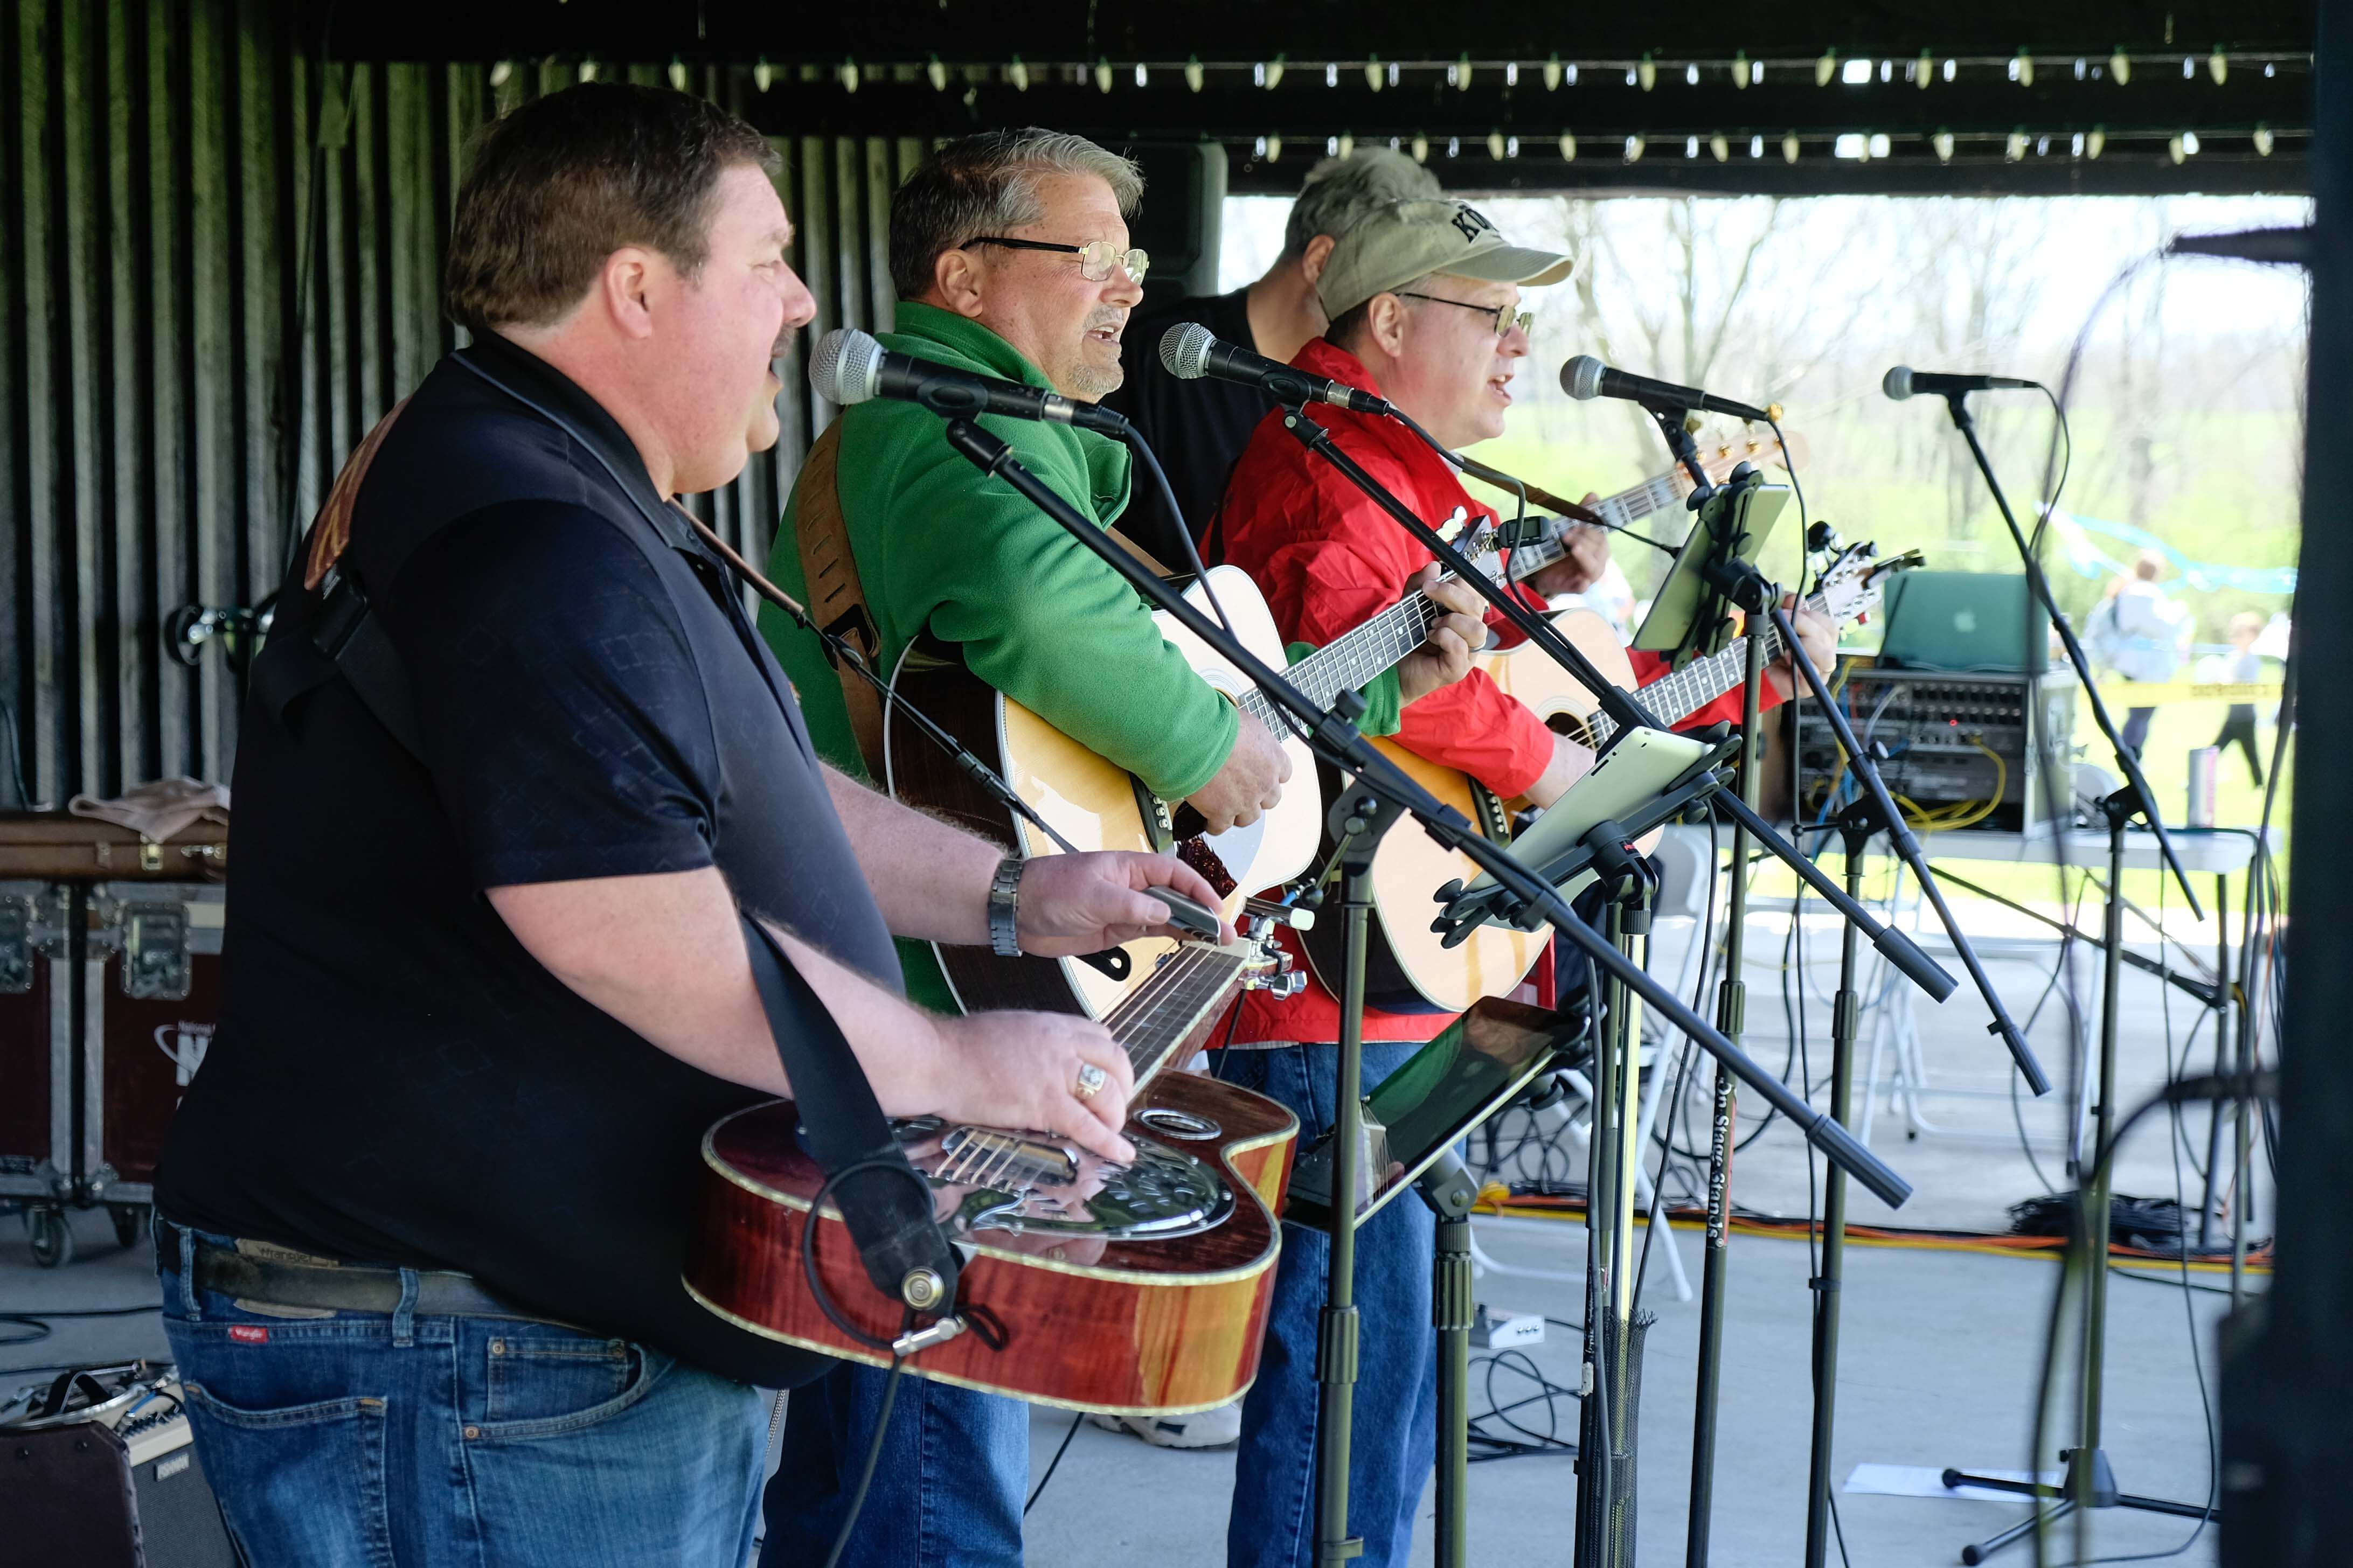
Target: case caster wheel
52 1235
130 1220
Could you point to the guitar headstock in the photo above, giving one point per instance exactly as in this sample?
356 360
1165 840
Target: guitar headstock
1850 587
1718 458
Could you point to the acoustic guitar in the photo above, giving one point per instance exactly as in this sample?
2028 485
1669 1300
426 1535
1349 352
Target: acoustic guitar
1408 969
1096 805
1137 1289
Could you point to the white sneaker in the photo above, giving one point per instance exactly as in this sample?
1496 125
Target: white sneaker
1218 1428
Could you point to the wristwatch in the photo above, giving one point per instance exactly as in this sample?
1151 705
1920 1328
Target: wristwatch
1004 931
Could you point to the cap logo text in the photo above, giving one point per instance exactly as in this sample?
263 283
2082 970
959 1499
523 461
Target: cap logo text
1472 223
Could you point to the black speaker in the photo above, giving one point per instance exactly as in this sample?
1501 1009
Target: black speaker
119 1487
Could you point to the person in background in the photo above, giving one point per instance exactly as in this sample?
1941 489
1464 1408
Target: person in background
1198 428
2244 666
2141 634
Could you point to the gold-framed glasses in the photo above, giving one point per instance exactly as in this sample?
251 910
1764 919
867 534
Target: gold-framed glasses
1097 257
1504 316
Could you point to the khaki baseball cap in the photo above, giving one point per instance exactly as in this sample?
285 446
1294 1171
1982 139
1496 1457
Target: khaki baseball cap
1406 240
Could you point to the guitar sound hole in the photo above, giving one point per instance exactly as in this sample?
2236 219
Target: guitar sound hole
1173 1123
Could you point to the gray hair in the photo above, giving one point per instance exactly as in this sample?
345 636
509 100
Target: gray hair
988 184
1341 193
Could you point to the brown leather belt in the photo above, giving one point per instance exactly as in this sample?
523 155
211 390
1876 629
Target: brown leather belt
327 1286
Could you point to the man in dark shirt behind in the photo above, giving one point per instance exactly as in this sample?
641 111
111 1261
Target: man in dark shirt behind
422 1217
1198 428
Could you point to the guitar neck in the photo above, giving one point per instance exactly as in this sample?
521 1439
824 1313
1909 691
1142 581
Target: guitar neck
1672 698
1162 1013
1349 662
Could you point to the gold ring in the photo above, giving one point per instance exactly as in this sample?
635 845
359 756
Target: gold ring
1090 1079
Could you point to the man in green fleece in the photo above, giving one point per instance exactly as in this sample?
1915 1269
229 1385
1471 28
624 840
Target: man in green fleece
1009 252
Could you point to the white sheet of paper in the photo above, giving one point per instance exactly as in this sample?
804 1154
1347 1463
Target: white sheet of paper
1921 1480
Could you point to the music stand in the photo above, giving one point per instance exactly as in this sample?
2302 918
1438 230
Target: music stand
1687 616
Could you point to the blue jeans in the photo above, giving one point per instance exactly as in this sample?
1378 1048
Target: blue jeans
948 1485
369 1439
1393 1440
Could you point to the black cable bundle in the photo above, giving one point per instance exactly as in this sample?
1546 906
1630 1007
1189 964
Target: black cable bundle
2144 1224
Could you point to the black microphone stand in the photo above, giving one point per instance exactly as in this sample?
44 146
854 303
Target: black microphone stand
2090 1482
1376 792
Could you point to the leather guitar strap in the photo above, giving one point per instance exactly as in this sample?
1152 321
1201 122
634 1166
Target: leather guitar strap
836 599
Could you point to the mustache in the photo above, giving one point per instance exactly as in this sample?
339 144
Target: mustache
1106 316
784 343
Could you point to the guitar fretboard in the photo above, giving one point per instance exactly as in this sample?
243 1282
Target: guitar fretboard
1675 698
1154 1018
1349 662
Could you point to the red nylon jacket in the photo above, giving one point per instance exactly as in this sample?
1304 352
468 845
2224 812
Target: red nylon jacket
1327 559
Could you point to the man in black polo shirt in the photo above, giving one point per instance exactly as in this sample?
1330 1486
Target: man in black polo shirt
422 1217
1198 428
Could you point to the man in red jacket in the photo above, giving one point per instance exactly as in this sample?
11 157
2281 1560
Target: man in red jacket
1424 301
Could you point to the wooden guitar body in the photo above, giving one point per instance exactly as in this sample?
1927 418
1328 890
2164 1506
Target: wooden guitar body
1406 970
1090 802
1142 1326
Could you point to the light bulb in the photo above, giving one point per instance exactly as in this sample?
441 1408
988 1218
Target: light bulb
1331 74
1345 147
1826 67
677 73
2024 73
504 70
1274 73
2176 151
1495 145
2096 142
1140 76
850 76
2016 147
1462 74
1568 145
1756 146
1926 69
1511 73
1740 69
1551 73
1103 75
1274 149
1691 74
1645 73
2262 140
2120 67
1690 146
1019 75
1633 149
763 74
1718 145
1193 72
1568 73
938 74
1951 67
1373 73
2189 142
1943 142
587 70
1421 149
2217 66
1790 148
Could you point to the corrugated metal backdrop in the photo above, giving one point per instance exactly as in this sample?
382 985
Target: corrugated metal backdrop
219 264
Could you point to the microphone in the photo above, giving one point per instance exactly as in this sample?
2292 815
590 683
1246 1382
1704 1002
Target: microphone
1189 351
851 366
2284 247
1902 381
1586 377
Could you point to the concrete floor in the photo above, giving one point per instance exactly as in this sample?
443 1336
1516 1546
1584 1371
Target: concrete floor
1939 1353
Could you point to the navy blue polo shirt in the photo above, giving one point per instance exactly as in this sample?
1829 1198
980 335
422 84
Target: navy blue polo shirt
394 1079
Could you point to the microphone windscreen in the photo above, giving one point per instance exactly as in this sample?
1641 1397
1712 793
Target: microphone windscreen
1581 377
842 369
1897 382
1185 350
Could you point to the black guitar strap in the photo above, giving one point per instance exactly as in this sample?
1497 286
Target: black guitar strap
334 632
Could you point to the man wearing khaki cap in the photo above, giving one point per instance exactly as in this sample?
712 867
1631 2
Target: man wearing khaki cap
1424 300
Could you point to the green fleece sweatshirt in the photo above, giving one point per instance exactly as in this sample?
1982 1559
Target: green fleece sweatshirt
942 547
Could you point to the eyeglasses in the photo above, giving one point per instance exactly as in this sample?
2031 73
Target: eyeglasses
1504 316
1097 257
